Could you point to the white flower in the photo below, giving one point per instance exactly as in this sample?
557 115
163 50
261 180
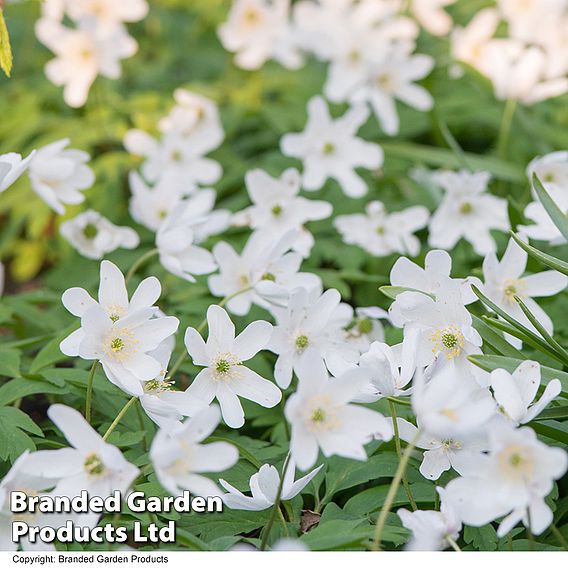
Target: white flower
107 12
59 176
503 280
381 233
431 529
83 53
196 118
330 149
552 170
12 166
225 377
443 453
118 333
515 393
382 363
264 274
307 327
258 30
390 75
93 236
321 416
179 458
436 271
264 488
449 407
431 16
174 156
91 464
467 211
512 479
190 222
277 208
160 402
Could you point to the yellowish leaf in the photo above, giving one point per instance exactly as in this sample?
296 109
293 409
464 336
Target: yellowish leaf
5 49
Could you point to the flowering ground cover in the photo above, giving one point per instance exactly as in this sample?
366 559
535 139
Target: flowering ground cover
308 257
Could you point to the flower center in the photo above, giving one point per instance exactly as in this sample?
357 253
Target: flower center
449 340
466 208
365 326
380 230
117 344
318 415
384 81
94 465
516 462
451 444
225 367
513 287
90 231
176 156
302 342
328 148
355 56
277 210
321 415
120 344
157 386
251 17
268 276
244 280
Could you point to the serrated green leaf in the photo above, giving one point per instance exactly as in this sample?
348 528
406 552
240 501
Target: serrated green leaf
13 427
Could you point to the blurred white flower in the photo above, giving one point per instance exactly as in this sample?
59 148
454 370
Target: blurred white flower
321 416
277 208
515 393
82 54
467 211
431 530
504 280
225 377
12 166
259 30
179 458
264 488
107 12
59 175
381 233
432 16
264 274
512 479
329 148
91 464
189 223
93 235
307 327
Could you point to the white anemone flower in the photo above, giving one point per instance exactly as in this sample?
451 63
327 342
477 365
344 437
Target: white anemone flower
432 16
381 233
179 458
94 236
512 480
224 376
515 393
91 464
277 208
264 488
107 12
329 148
322 417
467 211
432 530
12 166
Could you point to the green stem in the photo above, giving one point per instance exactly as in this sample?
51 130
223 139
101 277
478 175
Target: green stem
139 263
276 506
401 401
201 328
119 417
381 521
89 399
559 536
453 544
399 454
505 128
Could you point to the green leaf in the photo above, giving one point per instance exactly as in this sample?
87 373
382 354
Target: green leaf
552 429
10 363
495 340
21 387
482 538
546 259
48 355
5 48
556 214
393 291
13 427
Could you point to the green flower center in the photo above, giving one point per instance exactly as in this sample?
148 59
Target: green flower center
318 415
449 340
516 460
117 344
94 465
223 366
277 210
328 148
268 276
510 291
90 231
365 326
380 230
466 208
176 156
302 342
114 317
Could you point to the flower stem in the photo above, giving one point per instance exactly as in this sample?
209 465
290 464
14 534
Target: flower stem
89 398
201 328
559 536
505 128
381 521
399 401
399 454
119 417
146 256
276 506
453 544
